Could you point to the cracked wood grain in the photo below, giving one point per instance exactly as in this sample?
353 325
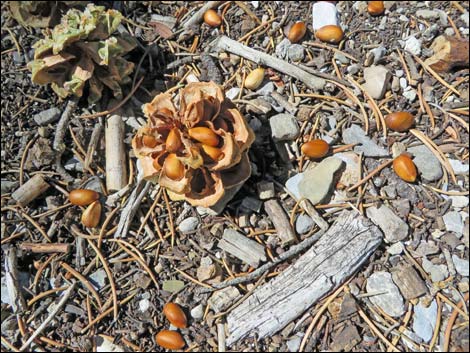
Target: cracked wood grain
338 254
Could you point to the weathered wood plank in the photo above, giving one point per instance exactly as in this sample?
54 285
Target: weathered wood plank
336 256
247 250
280 220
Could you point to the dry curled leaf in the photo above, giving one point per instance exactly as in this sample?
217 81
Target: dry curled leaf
197 151
82 53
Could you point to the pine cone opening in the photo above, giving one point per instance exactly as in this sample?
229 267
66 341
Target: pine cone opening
82 53
198 151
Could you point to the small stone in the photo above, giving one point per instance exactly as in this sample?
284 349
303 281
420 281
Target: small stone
296 52
427 14
222 299
207 269
303 224
266 190
464 17
98 278
378 53
396 248
259 106
451 240
353 69
47 116
438 272
293 344
428 165
255 124
399 73
413 45
197 313
266 90
410 94
282 48
232 93
105 345
453 222
350 176
403 83
459 167
173 286
426 248
386 294
318 181
461 265
341 58
424 320
252 204
377 79
355 134
394 227
284 127
144 305
459 201
7 186
345 339
188 225
395 84
449 31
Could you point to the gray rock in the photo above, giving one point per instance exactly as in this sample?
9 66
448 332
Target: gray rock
292 184
454 223
284 127
378 53
197 313
303 224
426 248
350 176
232 93
144 305
427 14
252 204
449 31
266 190
266 90
282 48
355 134
255 124
47 116
7 186
403 83
342 59
296 52
424 320
438 272
458 167
459 201
323 13
317 182
464 17
413 45
294 343
461 265
353 69
394 227
377 79
396 249
188 225
386 294
410 94
428 165
98 278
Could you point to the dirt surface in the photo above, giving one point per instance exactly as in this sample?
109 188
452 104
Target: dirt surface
170 250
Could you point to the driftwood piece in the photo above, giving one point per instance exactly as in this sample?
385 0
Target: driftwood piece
234 47
33 188
116 172
18 303
314 215
280 221
336 256
449 53
247 250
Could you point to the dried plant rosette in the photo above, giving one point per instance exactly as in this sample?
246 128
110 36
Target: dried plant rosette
198 152
82 54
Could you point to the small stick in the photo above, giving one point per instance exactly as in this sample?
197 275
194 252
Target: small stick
29 191
436 75
116 173
232 46
52 315
82 279
376 330
197 17
450 324
280 220
40 248
221 334
23 158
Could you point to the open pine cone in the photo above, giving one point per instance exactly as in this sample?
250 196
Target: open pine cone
199 151
81 53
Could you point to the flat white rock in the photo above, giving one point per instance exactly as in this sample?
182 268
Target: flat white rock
390 301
